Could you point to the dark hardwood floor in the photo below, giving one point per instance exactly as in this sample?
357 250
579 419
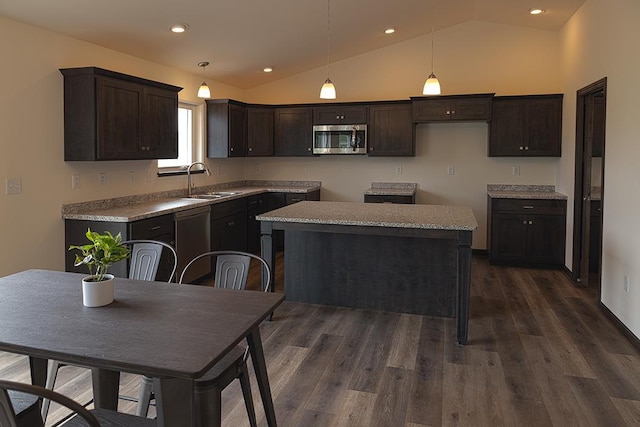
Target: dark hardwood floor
540 353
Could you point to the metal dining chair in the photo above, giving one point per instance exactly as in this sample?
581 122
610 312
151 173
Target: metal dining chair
231 272
14 394
144 262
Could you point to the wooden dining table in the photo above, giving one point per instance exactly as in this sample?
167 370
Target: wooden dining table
173 333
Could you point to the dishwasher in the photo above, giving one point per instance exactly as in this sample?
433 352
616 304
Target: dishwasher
193 237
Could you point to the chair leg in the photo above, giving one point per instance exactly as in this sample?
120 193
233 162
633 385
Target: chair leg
52 374
248 398
144 396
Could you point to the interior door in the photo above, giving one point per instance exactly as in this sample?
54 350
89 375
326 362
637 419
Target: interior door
586 189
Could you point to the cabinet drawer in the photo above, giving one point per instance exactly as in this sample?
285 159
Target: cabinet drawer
220 210
379 198
529 206
291 198
151 228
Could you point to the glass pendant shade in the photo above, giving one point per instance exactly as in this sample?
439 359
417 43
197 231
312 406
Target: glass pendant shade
431 86
203 91
328 90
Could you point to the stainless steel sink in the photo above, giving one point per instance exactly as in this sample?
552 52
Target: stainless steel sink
214 194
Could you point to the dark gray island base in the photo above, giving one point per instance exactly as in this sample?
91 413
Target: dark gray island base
402 258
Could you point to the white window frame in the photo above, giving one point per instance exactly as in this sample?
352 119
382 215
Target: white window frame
195 147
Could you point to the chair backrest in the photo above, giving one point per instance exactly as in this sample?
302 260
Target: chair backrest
145 259
232 269
8 416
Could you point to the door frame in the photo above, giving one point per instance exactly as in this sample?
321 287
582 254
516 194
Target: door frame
579 224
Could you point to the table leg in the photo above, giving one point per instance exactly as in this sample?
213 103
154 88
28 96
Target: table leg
174 402
38 369
463 292
260 366
105 388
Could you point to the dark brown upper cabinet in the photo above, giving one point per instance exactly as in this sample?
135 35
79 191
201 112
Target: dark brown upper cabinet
526 126
293 131
475 107
226 128
390 130
340 115
114 116
259 131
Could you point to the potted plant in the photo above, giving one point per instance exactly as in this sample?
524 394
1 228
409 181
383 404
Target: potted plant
103 251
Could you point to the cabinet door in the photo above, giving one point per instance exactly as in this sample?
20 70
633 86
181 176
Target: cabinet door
471 109
390 130
118 119
431 110
229 233
543 127
226 130
159 131
508 237
237 131
335 115
293 132
546 239
506 130
259 131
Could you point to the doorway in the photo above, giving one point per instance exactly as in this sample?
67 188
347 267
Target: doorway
589 184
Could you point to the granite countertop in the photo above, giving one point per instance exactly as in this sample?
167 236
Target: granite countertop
392 189
540 192
134 208
436 217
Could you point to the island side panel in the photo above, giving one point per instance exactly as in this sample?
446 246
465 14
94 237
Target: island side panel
463 286
369 271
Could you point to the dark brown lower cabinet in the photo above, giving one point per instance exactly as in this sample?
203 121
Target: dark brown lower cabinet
229 225
526 232
156 228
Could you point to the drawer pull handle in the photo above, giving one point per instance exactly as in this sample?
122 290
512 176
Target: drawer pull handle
157 227
527 207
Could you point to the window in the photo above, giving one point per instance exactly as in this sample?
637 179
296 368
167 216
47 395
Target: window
190 139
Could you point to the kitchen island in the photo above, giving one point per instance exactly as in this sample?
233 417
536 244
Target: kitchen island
392 257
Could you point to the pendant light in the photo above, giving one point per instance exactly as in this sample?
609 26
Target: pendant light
203 90
328 90
432 85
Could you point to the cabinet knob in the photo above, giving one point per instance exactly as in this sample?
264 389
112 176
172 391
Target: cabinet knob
231 224
448 112
250 149
231 148
341 117
526 148
453 111
521 148
309 149
524 222
530 222
337 117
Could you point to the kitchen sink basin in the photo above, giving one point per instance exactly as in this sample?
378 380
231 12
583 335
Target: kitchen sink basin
214 194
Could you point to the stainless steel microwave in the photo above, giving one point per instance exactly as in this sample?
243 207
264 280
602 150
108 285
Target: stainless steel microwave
340 139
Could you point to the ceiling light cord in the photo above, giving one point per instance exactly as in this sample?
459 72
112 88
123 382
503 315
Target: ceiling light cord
328 90
432 85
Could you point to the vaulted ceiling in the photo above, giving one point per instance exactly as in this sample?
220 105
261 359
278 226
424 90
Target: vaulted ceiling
241 37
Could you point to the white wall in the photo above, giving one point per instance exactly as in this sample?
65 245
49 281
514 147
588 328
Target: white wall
601 41
31 141
474 57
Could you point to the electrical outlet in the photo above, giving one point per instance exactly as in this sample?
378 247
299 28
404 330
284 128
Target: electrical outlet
102 178
307 169
516 171
75 181
149 175
257 168
218 170
451 170
399 170
13 186
626 283
132 176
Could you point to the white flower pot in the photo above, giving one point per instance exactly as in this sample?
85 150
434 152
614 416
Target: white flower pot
97 294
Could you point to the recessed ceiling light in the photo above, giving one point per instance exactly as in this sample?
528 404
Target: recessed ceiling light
536 11
390 30
179 28
267 69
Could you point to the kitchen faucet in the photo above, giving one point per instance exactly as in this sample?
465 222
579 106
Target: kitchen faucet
206 169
